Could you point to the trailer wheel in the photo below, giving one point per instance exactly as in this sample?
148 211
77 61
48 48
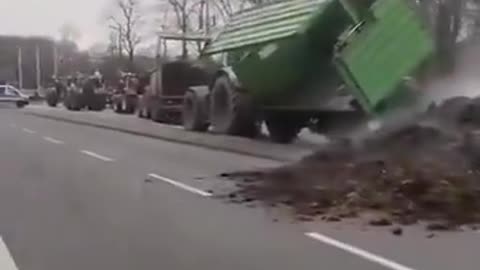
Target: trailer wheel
231 111
194 115
283 129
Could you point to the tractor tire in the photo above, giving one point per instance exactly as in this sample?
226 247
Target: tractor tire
76 106
67 102
52 104
194 115
231 111
52 99
282 130
69 106
20 104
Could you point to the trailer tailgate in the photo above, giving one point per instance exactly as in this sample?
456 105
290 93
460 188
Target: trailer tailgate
374 61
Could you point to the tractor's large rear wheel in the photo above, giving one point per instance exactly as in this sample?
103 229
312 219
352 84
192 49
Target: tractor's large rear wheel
194 115
231 111
52 99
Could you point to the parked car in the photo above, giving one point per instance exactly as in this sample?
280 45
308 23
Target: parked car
10 94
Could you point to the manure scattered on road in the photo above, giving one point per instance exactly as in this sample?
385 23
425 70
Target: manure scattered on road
426 169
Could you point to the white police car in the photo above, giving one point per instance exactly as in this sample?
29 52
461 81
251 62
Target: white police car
11 95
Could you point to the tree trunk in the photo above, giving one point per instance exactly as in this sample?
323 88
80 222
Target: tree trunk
131 61
184 30
448 27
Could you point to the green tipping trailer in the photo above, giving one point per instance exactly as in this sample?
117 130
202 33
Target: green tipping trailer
309 62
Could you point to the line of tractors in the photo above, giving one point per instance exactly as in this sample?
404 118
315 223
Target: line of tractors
286 65
142 94
78 92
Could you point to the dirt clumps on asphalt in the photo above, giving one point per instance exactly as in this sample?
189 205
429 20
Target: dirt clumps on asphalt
424 170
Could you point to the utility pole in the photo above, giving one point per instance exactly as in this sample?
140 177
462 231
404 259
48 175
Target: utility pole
20 68
37 67
207 19
55 60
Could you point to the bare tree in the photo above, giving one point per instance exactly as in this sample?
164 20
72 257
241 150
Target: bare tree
226 8
180 8
445 18
185 16
197 16
126 24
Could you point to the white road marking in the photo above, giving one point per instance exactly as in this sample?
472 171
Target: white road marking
29 131
97 156
52 140
6 260
181 185
359 252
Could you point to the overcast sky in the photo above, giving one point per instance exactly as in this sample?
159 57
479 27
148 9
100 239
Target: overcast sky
45 17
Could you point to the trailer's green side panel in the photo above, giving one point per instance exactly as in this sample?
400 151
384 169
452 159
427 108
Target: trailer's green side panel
272 69
375 60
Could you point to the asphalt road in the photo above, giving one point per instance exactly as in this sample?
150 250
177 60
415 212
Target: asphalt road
75 197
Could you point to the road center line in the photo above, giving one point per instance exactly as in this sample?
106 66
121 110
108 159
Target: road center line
357 251
181 185
29 131
52 140
97 156
6 260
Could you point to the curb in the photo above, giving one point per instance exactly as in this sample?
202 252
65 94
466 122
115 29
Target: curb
165 138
